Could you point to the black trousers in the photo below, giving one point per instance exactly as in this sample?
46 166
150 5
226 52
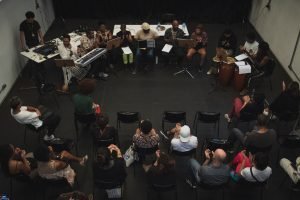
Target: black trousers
51 122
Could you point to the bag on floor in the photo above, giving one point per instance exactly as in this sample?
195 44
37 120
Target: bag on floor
130 156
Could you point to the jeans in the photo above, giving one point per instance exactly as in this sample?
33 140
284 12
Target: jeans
194 170
146 54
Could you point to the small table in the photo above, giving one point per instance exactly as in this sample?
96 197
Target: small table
133 28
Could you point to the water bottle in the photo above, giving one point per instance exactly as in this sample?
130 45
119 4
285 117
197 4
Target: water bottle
158 26
4 197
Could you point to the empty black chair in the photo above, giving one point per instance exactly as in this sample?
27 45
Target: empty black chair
207 118
85 119
127 117
173 117
159 189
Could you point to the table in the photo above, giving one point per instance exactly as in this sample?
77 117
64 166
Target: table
133 28
38 58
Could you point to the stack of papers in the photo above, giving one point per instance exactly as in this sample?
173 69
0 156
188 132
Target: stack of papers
241 57
244 68
126 50
167 48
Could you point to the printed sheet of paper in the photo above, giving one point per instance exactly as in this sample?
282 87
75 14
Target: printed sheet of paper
126 50
167 48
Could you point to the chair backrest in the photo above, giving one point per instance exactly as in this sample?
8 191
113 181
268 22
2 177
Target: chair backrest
174 116
208 117
104 184
185 153
146 151
103 142
215 143
163 187
85 118
128 117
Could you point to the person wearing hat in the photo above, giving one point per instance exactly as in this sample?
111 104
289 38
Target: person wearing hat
144 34
183 141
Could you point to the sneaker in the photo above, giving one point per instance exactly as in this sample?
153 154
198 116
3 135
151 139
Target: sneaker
103 75
209 72
191 184
48 138
84 159
134 72
226 116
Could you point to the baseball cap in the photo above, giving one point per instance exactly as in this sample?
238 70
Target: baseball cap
184 134
145 26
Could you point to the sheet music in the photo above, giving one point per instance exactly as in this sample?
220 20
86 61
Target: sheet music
241 57
239 63
244 69
167 48
126 50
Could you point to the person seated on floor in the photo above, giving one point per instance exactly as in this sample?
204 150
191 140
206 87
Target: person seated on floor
15 161
162 171
146 33
183 141
245 107
55 166
292 170
109 166
259 171
286 105
250 46
261 138
226 47
126 41
104 131
36 117
83 102
212 172
200 37
170 37
69 52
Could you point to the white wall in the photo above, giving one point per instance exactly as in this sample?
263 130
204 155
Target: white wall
12 13
279 26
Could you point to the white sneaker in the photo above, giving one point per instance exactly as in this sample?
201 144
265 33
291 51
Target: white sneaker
84 159
47 138
103 75
209 71
226 116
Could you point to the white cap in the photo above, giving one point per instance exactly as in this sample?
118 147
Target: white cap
145 26
185 133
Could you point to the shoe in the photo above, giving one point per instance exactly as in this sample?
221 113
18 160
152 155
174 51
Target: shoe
209 72
83 161
192 185
103 75
48 138
200 70
226 116
134 72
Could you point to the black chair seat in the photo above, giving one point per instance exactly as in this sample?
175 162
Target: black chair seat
173 117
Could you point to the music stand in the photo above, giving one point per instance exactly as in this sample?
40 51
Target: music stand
185 43
64 63
114 43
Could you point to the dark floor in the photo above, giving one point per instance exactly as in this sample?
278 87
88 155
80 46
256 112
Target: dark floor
149 93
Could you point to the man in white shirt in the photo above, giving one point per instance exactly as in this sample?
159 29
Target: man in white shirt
183 141
251 45
32 116
69 52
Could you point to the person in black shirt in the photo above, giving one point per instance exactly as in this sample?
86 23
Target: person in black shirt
126 39
109 166
30 32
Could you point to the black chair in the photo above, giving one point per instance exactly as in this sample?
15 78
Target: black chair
190 153
288 142
269 72
19 178
213 144
207 118
244 186
159 189
107 185
85 119
127 117
101 143
211 188
142 153
173 117
40 132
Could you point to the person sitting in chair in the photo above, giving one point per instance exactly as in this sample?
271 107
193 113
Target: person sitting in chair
144 34
250 47
200 37
126 41
226 47
171 36
183 141
83 102
69 52
36 117
213 171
